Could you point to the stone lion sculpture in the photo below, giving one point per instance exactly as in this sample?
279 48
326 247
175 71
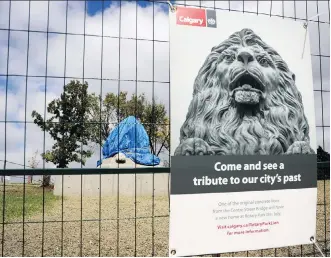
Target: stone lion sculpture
245 102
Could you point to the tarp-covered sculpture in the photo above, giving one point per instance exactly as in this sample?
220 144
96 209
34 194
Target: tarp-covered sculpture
131 139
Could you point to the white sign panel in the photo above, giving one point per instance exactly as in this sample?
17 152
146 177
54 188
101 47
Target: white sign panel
243 143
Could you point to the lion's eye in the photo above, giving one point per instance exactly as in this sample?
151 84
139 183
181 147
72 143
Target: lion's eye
229 57
263 61
249 42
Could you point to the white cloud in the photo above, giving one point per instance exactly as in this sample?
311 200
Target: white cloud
119 57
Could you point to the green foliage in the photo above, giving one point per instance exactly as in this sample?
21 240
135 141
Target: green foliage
156 124
68 125
114 109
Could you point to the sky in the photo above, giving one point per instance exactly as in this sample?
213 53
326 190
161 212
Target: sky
28 55
93 7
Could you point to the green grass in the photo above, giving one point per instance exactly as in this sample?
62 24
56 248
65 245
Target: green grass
14 197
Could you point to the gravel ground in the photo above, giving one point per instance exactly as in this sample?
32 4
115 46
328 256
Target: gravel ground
46 238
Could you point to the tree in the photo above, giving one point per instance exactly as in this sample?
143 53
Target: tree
323 167
33 163
110 113
322 155
163 134
156 123
69 125
115 108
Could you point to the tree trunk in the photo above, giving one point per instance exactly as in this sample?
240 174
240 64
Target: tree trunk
46 181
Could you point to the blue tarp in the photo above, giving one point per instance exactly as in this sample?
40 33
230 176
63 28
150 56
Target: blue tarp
131 139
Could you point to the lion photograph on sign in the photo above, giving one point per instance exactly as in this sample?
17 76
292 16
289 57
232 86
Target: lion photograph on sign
245 102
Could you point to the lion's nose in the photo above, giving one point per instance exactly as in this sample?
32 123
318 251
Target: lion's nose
245 57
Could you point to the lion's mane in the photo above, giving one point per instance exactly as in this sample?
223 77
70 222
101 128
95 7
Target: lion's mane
213 117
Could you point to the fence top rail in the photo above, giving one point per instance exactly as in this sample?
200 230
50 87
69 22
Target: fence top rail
83 171
93 171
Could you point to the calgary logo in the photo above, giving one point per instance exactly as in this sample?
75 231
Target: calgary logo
191 16
211 21
190 20
196 17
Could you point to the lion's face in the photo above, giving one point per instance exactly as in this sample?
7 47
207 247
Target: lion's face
245 100
249 72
